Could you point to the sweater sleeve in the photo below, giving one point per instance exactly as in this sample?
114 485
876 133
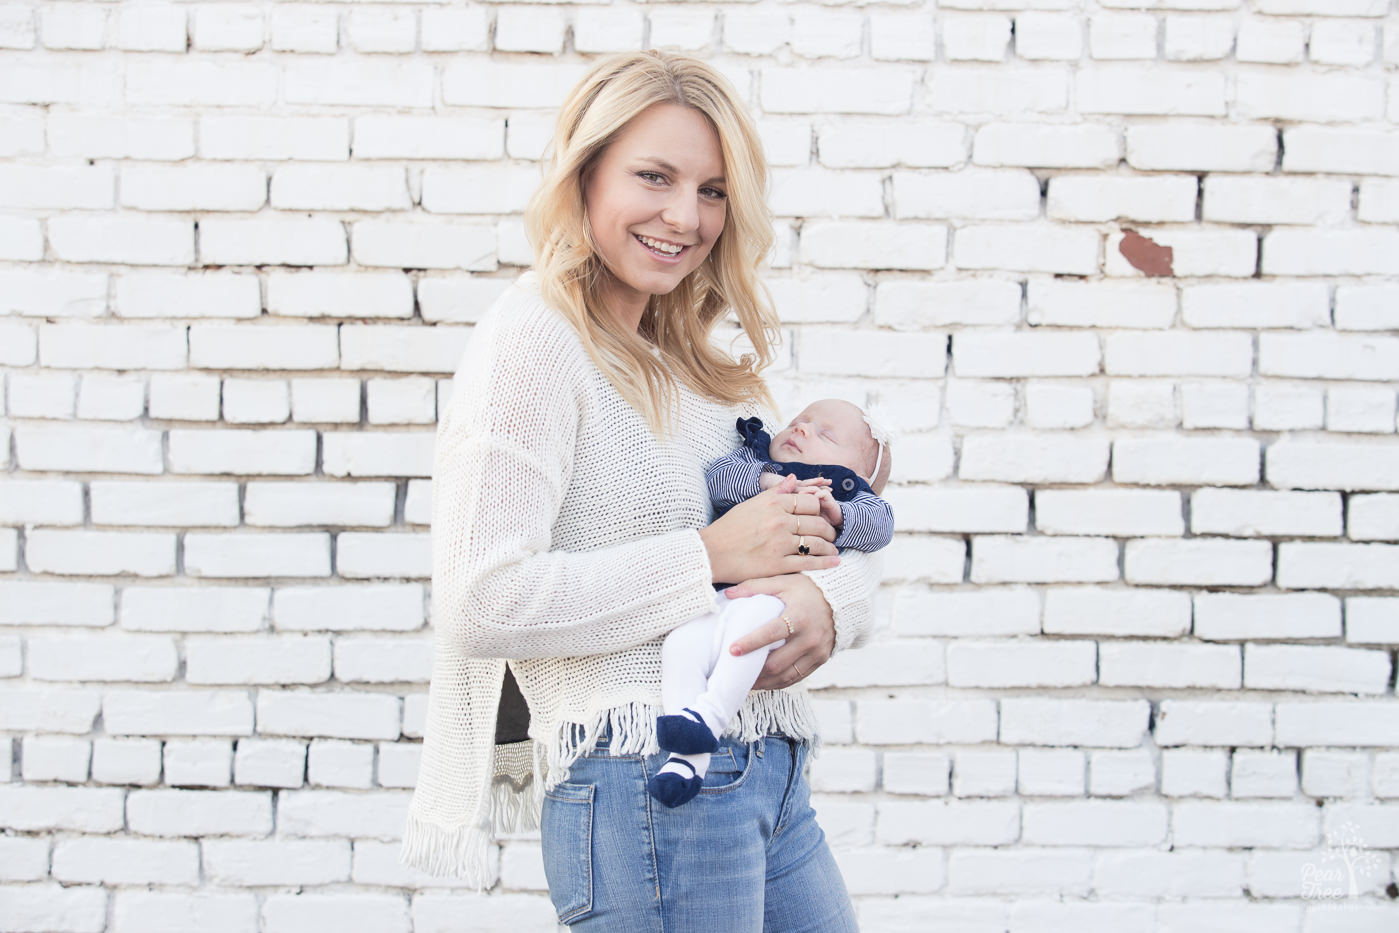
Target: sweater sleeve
502 466
867 523
732 479
849 590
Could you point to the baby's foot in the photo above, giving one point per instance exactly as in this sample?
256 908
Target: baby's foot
686 734
671 787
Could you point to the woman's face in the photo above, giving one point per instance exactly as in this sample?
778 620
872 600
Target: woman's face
656 204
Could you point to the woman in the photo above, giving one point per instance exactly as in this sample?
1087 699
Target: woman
570 536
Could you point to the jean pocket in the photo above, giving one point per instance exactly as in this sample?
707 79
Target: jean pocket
566 828
728 768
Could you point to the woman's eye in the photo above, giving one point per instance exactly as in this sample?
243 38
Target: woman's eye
713 194
654 178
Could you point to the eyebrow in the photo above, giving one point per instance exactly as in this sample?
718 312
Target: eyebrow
666 166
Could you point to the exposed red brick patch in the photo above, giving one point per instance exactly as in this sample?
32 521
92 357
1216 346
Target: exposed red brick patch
1147 255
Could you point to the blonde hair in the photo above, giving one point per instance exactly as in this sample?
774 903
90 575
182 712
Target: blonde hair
680 323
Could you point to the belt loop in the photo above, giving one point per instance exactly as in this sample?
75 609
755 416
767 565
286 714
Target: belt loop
758 747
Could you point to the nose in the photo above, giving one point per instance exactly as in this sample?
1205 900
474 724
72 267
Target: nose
681 210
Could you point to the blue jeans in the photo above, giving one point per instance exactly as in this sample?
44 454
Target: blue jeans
745 856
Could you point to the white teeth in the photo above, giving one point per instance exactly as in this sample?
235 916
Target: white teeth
660 246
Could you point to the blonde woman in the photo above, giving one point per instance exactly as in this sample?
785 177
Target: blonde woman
571 532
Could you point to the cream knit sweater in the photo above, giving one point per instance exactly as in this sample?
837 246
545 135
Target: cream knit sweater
564 538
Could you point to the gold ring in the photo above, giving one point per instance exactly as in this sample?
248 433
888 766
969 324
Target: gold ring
798 670
790 630
802 548
799 525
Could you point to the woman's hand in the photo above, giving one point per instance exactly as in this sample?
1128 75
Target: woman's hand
813 637
764 536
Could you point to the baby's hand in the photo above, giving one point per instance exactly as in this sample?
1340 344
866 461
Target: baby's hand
814 481
767 479
830 508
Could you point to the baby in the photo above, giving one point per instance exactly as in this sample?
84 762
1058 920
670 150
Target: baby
836 454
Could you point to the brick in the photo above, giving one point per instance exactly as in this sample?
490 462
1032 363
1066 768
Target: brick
270 763
1198 38
1111 512
198 762
1178 874
76 809
879 89
1299 304
996 611
101 553
398 765
59 758
193 187
821 297
1214 404
124 658
185 712
230 451
117 502
1238 825
1018 354
1341 151
480 83
1049 405
1228 616
688 29
332 763
428 137
1337 566
288 505
199 813
224 29
47 293
72 26
41 502
1263 773
256 401
184 397
1336 723
947 822
278 240
1120 612
325 400
1256 513
280 659
1371 619
437 913
57 78
1319 668
1000 92
605 30
1119 773
1012 663
303 29
1157 198
1048 36
1330 252
865 143
1147 90
252 137
356 187
340 715
980 772
964 509
378 815
985 194
125 861
1290 874
1273 42
835 244
1199 562
424 245
368 82
453 29
1282 407
284 913
40 602
820 192
1280 200
1142 404
1043 560
11 660
899 722
109 397
1360 409
383 660
1034 458
1178 353
1102 304
1027 248
1193 772
9 549
350 607
49 709
1378 198
1373 518
21 238
98 346
1122 36
171 912
396 348
979 403
1047 146
193 608
126 761
911 305
276 862
17 27
54 908
1169 460
339 294
24 858
1344 465
886 662
974 37
1048 773
1310 97
57 187
382 30
256 554
1169 666
1203 722
201 82
401 401
1061 722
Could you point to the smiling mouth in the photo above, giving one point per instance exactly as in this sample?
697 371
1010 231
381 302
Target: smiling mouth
661 247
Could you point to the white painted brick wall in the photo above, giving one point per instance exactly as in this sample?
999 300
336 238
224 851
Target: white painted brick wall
1143 604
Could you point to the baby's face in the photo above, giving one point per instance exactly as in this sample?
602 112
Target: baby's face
828 431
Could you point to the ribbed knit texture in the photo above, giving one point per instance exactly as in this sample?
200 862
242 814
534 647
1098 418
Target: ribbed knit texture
564 538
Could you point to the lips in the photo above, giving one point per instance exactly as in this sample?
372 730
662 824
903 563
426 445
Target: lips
663 248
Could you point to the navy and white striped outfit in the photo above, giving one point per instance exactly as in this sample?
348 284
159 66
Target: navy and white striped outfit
867 521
